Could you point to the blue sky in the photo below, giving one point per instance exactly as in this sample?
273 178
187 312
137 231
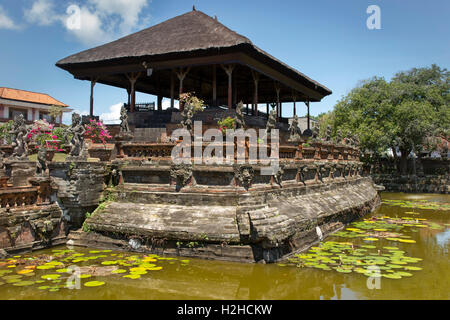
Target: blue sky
328 40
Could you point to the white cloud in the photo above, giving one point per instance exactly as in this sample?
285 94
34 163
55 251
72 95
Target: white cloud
42 13
5 21
166 104
113 116
101 20
67 116
90 31
128 10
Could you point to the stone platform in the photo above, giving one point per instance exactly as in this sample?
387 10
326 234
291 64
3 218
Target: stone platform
217 218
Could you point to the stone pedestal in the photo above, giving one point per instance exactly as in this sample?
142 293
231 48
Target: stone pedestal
20 172
121 138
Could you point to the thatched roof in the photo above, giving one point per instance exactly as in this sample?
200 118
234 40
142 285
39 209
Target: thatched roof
185 35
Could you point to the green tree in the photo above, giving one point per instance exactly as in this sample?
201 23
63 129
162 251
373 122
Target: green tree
398 115
54 112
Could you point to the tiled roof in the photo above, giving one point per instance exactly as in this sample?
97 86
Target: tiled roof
28 96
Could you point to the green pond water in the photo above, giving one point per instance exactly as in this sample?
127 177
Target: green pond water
406 239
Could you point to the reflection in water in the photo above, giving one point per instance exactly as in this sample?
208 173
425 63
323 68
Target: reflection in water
202 279
443 238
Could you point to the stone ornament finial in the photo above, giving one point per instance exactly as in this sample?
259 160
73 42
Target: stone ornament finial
187 114
41 166
181 174
244 173
294 130
240 121
77 130
124 127
272 120
19 133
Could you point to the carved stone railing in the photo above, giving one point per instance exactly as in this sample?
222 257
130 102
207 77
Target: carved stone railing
148 150
38 193
317 150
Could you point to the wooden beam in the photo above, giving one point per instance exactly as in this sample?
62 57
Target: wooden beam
132 77
160 98
229 71
294 98
181 74
91 109
214 85
172 90
278 89
308 117
255 76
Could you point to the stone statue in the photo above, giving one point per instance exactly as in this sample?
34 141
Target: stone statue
348 139
19 132
41 165
244 173
339 136
272 120
187 114
355 141
181 174
124 120
278 176
328 134
315 132
77 142
294 130
240 122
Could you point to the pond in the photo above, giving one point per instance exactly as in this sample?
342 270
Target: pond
401 249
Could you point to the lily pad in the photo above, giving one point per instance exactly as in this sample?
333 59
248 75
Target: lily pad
94 284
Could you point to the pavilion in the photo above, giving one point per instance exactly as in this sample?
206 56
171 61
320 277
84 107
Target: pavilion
194 52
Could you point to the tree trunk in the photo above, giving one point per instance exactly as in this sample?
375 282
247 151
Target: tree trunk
404 161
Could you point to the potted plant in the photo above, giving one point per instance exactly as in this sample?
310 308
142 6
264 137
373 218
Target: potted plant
97 132
226 124
43 134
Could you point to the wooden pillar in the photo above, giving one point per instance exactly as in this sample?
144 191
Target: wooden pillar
172 90
247 109
132 77
160 98
214 85
294 98
255 96
129 97
267 109
308 119
277 89
281 111
91 109
181 74
229 70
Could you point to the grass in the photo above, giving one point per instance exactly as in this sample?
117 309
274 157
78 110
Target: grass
59 157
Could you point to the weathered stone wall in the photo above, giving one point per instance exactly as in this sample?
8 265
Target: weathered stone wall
80 187
35 227
413 183
224 220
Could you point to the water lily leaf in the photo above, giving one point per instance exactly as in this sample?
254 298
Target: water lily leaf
43 287
85 276
132 276
370 239
23 283
119 271
50 276
108 263
407 241
25 271
94 283
412 268
392 276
